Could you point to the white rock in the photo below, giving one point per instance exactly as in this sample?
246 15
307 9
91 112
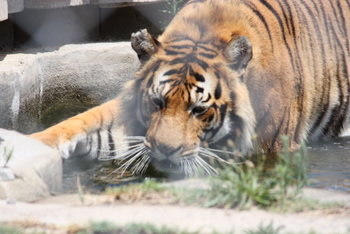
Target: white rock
37 168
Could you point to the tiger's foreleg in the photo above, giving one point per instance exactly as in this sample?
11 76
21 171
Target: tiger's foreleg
89 133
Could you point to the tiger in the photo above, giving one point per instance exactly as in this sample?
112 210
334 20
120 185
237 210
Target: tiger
238 72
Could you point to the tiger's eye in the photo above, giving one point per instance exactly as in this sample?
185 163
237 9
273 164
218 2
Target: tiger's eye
157 102
199 110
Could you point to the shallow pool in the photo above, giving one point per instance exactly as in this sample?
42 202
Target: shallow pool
328 167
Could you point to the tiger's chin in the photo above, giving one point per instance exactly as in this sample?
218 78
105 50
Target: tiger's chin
167 167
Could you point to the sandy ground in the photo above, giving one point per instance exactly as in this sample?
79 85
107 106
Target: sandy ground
58 212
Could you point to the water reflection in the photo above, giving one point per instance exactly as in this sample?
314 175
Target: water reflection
329 164
328 167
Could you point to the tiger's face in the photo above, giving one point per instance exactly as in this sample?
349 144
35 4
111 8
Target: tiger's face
190 95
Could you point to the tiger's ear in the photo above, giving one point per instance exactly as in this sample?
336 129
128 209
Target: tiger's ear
239 52
144 45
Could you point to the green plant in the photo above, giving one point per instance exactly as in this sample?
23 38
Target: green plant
248 184
145 187
268 229
236 185
7 155
132 228
172 8
81 193
291 169
6 229
239 186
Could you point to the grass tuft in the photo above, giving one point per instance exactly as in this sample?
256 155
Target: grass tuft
268 229
132 228
6 229
251 184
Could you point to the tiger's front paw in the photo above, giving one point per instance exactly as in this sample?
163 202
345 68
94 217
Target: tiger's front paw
64 145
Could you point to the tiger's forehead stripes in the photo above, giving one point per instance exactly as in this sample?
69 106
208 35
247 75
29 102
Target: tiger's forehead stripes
185 50
168 82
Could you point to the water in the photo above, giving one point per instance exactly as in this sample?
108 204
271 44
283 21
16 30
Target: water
328 161
328 168
329 164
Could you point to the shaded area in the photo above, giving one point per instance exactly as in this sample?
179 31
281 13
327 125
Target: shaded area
80 24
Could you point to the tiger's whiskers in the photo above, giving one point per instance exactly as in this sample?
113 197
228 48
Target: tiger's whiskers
135 157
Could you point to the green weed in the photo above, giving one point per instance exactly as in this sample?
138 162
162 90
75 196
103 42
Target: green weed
132 228
251 184
269 229
171 9
7 154
6 229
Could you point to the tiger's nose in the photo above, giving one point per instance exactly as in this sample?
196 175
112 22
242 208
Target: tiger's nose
162 152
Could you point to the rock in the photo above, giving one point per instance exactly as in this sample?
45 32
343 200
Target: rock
37 168
3 10
32 81
6 174
15 6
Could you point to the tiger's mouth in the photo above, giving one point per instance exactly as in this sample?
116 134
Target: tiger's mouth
166 165
137 156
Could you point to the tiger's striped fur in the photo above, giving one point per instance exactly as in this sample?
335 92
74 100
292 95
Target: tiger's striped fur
224 69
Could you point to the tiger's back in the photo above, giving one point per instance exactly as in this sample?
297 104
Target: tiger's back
298 77
225 70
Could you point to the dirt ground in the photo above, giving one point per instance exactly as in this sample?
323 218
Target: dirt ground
57 213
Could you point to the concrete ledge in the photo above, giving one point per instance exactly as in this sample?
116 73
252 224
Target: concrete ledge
3 10
37 168
14 6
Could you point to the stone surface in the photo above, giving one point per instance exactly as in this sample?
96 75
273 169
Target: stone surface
32 81
67 210
36 167
6 174
3 10
15 6
44 4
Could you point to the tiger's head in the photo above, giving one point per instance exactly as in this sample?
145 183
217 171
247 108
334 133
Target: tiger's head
188 94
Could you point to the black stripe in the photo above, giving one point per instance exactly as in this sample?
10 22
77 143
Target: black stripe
207 100
204 47
99 143
179 47
338 116
171 72
199 89
288 17
280 22
266 115
278 132
166 81
209 56
111 141
305 46
199 77
150 81
218 91
342 23
261 17
172 52
156 66
190 59
222 111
